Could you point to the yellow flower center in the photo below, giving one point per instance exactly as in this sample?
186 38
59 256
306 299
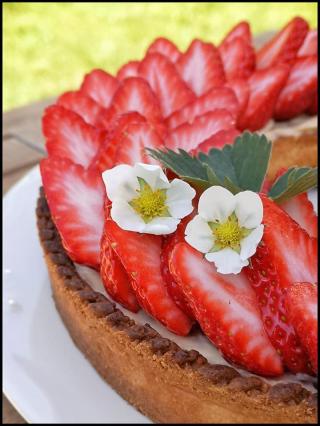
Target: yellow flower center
149 204
228 234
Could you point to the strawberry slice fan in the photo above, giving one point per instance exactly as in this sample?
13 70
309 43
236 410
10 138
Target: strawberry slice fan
193 113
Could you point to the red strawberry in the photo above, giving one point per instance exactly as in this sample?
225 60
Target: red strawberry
285 255
140 255
301 210
105 158
114 277
201 67
313 108
238 58
69 136
75 197
128 70
82 104
168 245
218 140
165 81
265 86
137 137
310 45
135 94
299 90
216 98
100 86
105 118
226 309
241 89
189 136
302 307
283 47
240 30
166 48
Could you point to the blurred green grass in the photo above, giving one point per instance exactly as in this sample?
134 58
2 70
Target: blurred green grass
49 46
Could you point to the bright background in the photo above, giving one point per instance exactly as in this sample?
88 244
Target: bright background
48 47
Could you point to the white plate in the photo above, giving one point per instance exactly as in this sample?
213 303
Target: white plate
46 377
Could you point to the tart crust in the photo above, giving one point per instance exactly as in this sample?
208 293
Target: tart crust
164 382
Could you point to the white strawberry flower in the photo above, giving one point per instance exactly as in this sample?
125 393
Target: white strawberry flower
143 199
227 229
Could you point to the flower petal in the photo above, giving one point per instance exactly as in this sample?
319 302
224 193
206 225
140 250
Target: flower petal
121 182
153 175
249 209
249 244
179 198
227 261
216 203
198 234
126 217
161 226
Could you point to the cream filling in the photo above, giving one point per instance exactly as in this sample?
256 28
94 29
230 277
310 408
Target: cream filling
295 127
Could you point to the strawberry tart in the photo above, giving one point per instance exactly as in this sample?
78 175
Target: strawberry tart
178 220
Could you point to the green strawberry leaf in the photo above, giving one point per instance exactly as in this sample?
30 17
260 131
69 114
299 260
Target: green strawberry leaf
294 181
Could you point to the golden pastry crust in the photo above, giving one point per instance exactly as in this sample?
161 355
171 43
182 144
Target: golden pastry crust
288 151
161 380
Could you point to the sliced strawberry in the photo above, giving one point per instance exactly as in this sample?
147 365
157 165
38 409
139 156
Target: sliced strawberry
201 67
105 118
69 136
132 147
238 58
128 70
135 94
301 210
218 140
173 288
106 156
302 307
166 48
164 79
189 136
75 197
310 44
240 30
313 107
216 98
114 277
100 86
226 308
82 104
140 255
265 86
241 89
286 254
283 47
299 90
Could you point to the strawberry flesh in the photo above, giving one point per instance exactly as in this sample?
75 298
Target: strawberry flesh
69 136
75 197
128 70
189 136
240 30
201 67
140 255
166 48
302 306
216 98
299 90
164 79
226 308
286 254
218 140
283 47
100 86
310 45
238 58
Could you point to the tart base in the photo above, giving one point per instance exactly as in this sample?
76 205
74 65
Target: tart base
161 380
